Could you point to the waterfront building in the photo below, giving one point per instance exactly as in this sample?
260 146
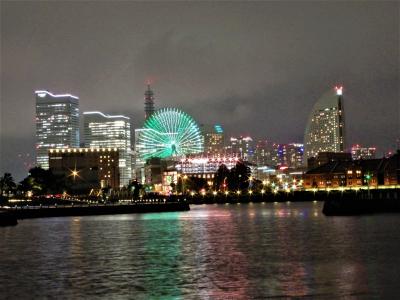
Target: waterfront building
358 152
110 131
325 126
153 172
354 174
323 158
213 139
57 124
86 170
204 166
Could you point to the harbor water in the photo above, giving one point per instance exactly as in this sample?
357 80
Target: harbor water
235 251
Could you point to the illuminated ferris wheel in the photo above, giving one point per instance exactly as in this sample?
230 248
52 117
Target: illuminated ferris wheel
169 132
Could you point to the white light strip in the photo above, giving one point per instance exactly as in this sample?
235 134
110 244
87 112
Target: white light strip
55 96
105 116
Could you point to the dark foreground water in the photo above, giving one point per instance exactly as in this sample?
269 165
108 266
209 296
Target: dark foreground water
247 251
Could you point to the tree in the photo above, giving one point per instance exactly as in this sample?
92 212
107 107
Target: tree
135 188
196 184
221 178
41 182
239 176
7 184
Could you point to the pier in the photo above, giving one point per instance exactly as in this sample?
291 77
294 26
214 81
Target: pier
28 212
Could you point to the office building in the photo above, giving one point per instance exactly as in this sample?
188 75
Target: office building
107 131
288 155
213 139
358 152
242 147
57 124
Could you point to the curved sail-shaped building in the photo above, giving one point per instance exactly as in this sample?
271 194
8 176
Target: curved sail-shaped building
325 125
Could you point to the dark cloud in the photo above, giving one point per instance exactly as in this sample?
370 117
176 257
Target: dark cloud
255 67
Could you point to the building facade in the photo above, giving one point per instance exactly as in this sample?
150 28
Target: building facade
287 155
323 158
358 152
107 131
86 169
242 147
213 139
57 124
355 174
325 126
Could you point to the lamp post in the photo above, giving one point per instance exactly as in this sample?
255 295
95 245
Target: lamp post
368 178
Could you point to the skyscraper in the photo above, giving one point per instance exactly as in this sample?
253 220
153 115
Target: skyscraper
213 139
325 126
243 147
148 102
106 131
289 155
57 124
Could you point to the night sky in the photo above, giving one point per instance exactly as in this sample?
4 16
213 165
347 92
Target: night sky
256 68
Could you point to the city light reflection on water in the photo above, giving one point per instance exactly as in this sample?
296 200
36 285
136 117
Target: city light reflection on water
212 252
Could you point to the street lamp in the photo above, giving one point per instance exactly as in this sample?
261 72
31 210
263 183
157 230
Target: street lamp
368 179
74 173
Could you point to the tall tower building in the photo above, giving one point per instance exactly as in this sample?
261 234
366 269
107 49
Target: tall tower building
148 102
325 125
213 139
106 131
57 124
242 147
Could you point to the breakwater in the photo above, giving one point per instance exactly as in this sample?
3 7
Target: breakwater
336 202
27 212
362 202
294 196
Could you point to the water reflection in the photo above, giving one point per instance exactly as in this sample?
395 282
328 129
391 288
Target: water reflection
212 252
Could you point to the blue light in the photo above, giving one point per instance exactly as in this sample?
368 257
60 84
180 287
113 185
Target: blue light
218 129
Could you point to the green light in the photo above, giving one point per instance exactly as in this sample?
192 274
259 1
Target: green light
169 132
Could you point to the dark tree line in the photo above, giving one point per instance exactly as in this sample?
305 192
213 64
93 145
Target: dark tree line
237 178
39 182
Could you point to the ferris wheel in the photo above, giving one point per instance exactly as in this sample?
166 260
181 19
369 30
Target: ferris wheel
169 132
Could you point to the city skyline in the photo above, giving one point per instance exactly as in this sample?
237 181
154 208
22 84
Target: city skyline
258 97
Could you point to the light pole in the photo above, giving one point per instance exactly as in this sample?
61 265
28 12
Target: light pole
368 179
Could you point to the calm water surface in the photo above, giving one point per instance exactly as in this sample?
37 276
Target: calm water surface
247 251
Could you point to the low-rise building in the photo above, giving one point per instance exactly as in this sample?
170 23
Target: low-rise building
357 173
323 158
86 169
